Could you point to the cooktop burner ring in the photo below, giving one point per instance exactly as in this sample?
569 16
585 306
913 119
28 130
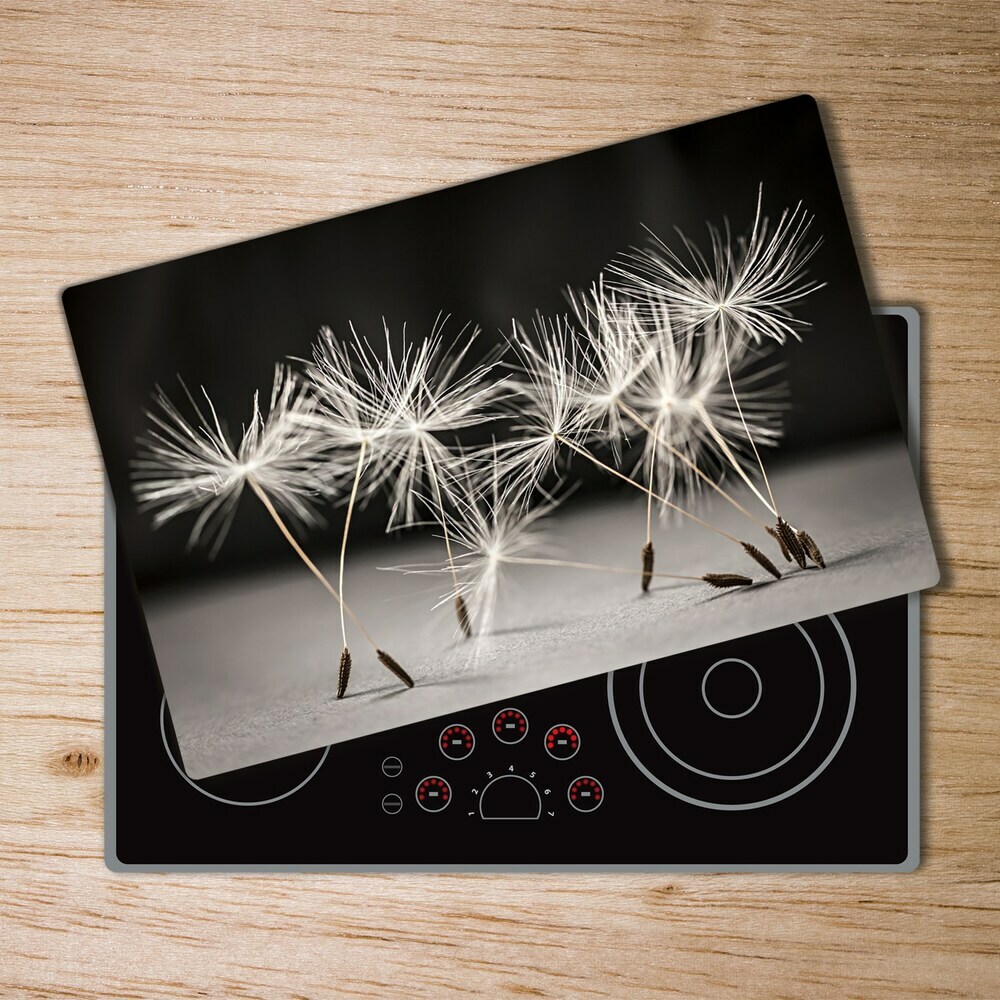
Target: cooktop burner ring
729 659
759 803
718 711
219 798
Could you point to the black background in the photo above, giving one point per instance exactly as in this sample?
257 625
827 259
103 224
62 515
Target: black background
485 252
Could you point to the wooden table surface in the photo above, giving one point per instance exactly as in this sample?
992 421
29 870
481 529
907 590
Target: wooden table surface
135 131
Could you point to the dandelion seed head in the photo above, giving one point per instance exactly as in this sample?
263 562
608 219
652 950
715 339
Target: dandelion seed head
546 401
490 525
683 390
188 463
750 285
490 528
615 351
399 403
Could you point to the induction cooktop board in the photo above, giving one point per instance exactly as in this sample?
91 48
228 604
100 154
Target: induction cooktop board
796 749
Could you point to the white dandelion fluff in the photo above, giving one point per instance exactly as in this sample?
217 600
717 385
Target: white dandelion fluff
552 414
490 525
682 405
184 465
499 532
665 397
746 288
445 400
616 351
491 529
194 464
752 283
681 399
399 412
546 402
403 407
359 398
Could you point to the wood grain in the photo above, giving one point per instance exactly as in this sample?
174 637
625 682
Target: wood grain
136 131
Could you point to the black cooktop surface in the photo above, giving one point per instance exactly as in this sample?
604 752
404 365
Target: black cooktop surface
792 749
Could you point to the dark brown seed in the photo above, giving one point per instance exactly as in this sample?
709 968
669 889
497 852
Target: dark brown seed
726 580
386 660
463 616
345 672
647 565
780 541
791 541
754 553
811 548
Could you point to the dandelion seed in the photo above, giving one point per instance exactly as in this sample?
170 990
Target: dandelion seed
462 613
648 563
344 674
546 405
553 418
811 548
490 523
722 580
389 662
616 351
493 529
186 465
682 402
790 542
392 411
600 568
713 579
616 356
781 542
756 554
491 526
395 402
672 387
666 397
744 287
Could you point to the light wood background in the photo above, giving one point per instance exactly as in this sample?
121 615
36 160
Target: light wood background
135 131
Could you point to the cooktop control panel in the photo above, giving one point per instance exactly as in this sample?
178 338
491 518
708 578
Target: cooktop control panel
513 770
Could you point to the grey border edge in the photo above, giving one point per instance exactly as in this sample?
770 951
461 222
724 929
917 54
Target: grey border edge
913 683
910 863
110 684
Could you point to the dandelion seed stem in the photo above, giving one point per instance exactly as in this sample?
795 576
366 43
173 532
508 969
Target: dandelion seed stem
300 552
739 409
463 617
727 451
649 501
347 528
432 470
621 475
650 429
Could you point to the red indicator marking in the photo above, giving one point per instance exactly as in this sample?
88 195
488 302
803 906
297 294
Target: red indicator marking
562 742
